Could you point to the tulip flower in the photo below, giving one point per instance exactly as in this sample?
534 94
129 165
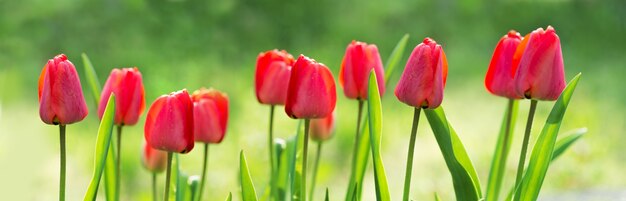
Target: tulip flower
130 102
273 69
210 114
539 75
61 102
421 86
360 58
321 130
499 80
169 127
311 95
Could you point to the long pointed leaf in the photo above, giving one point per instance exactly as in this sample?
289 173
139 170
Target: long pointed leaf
230 197
437 198
564 143
503 146
395 56
326 197
294 149
248 193
374 108
103 141
92 78
543 150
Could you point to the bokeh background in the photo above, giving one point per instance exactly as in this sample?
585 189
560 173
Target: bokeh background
192 43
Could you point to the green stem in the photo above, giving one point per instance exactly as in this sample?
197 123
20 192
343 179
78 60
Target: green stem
117 162
409 159
522 156
354 152
154 187
204 167
498 166
167 176
315 168
271 148
62 174
305 150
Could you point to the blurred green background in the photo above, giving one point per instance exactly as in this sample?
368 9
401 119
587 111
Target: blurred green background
192 43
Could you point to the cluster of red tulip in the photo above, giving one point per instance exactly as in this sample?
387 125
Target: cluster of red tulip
521 67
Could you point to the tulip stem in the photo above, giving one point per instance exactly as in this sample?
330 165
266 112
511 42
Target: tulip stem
315 168
204 167
409 159
271 148
501 154
117 162
154 187
522 156
305 150
168 173
354 152
62 174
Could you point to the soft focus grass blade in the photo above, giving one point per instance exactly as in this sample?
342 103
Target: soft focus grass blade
248 193
503 146
464 178
193 186
92 78
103 141
564 143
230 197
326 197
283 172
543 150
437 198
395 56
374 109
296 163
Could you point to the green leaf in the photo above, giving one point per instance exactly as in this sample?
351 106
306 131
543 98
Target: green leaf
564 143
92 79
248 193
103 141
464 178
396 55
294 149
503 146
437 198
326 199
230 197
283 172
109 174
193 186
374 109
543 149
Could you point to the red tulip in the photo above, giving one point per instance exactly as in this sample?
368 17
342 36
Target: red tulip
311 93
153 160
359 60
130 102
61 98
538 63
169 125
210 110
499 80
424 77
322 129
273 69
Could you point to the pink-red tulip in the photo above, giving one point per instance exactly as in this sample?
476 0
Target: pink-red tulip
499 80
424 77
538 63
273 69
153 160
169 125
61 98
359 60
130 101
311 93
322 129
210 110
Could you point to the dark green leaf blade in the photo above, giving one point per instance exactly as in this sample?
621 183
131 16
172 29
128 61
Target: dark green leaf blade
103 141
503 146
248 193
374 108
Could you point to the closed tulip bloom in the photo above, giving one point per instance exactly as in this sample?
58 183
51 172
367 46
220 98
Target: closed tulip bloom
153 160
499 80
322 129
424 77
210 110
273 69
61 98
130 102
311 92
359 60
169 125
538 63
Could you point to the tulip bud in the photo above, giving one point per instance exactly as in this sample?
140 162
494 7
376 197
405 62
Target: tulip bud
273 69
499 80
61 98
153 160
169 125
311 93
424 77
538 63
360 58
322 129
210 110
130 102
